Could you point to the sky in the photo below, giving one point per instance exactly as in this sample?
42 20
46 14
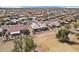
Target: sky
20 3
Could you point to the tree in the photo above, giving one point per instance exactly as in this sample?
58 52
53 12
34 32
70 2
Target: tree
26 32
77 17
16 46
24 44
67 26
2 22
29 44
76 25
7 36
1 34
62 35
20 44
77 36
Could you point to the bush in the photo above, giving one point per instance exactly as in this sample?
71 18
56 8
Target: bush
24 45
77 36
26 32
62 35
29 44
76 25
67 26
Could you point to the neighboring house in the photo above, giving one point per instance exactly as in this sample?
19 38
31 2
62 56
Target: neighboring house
14 21
38 26
63 21
22 18
53 23
42 25
35 26
32 18
16 29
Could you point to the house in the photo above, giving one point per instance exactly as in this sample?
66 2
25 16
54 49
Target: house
53 23
32 18
43 26
16 29
38 26
35 25
14 21
63 21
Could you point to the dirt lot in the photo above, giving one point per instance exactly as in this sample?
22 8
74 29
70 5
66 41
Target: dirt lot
48 42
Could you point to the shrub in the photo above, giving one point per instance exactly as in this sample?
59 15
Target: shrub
62 35
24 44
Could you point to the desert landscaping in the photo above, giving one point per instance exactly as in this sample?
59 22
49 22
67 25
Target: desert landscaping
39 29
47 42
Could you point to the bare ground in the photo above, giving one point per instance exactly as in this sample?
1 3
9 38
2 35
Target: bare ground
48 42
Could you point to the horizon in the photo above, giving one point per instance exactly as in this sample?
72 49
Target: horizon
39 6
